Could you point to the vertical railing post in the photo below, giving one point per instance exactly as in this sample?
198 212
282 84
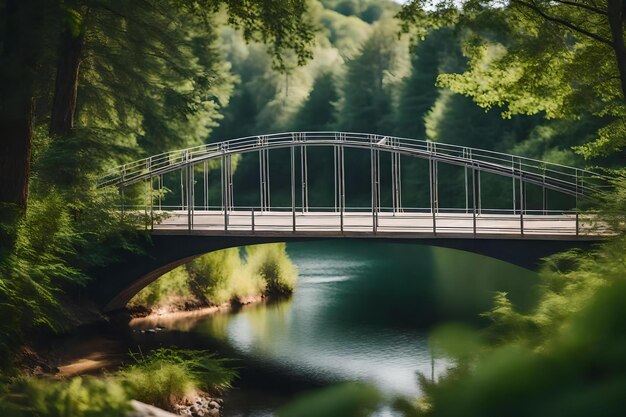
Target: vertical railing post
378 202
431 177
151 193
160 182
373 179
122 196
231 194
182 187
513 180
480 196
253 226
522 203
261 176
205 188
224 190
267 178
436 176
576 193
545 203
264 173
189 187
293 188
393 178
335 169
151 204
466 186
342 187
576 202
304 176
399 176
145 204
474 200
396 177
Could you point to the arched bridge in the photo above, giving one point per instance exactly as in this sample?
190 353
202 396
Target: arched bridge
189 199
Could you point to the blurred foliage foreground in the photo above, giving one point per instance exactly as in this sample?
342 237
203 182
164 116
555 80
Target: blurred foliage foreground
163 378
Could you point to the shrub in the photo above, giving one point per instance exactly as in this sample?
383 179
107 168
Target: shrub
76 397
168 375
272 264
174 284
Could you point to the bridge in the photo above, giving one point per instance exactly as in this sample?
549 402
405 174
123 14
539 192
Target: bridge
187 199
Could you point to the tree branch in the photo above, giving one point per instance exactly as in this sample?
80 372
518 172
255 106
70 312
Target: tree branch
583 6
565 23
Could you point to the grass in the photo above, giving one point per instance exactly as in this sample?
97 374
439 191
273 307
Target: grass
166 376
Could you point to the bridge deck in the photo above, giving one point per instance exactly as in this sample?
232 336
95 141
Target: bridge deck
329 224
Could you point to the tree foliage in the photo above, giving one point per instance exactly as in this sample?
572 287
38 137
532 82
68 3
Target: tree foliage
557 59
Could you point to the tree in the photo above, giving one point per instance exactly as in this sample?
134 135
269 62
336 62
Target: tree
556 58
318 111
23 24
419 91
281 24
367 96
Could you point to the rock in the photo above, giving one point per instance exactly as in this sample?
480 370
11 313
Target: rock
214 412
214 404
144 410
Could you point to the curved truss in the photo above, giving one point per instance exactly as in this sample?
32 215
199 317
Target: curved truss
569 180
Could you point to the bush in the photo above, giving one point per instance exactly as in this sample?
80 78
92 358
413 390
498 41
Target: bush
77 397
172 285
223 276
167 376
272 264
217 277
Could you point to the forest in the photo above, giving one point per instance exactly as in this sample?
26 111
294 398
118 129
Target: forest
87 85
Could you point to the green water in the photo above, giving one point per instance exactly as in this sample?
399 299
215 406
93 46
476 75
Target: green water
361 311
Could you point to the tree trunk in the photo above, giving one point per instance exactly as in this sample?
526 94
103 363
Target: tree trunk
21 45
616 16
66 84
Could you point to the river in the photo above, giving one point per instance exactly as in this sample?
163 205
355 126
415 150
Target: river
362 311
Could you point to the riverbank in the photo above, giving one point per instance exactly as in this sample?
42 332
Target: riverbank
187 307
112 373
103 351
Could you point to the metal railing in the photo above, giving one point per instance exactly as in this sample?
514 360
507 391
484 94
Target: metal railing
566 179
448 222
474 218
